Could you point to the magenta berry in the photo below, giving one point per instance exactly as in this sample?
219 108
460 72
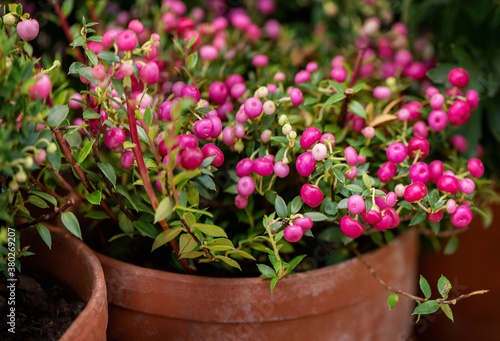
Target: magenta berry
415 192
127 159
413 108
305 223
467 186
126 40
253 107
395 220
293 233
240 201
260 60
164 111
211 149
296 97
187 141
368 132
356 204
390 199
327 139
262 166
418 145
351 156
203 128
246 186
387 171
431 91
217 126
420 171
404 114
311 66
459 113
420 129
472 99
462 216
319 151
190 91
475 167
372 216
191 158
403 57
302 77
114 138
227 136
451 206
459 143
438 120
305 164
435 170
28 29
351 227
384 222
396 152
41 88
436 101
382 92
40 157
244 167
218 92
150 73
351 173
448 184
108 39
435 217
311 195
309 137
459 77
281 170
239 131
338 74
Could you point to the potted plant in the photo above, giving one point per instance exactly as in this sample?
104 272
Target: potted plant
204 145
28 105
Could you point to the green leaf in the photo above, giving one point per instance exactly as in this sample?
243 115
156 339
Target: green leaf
92 57
220 244
46 197
186 175
316 216
424 286
118 86
38 202
392 300
164 209
45 234
419 217
229 261
266 271
95 198
274 280
71 223
357 109
296 204
339 175
280 206
178 46
91 114
56 115
354 189
79 41
146 227
447 311
342 204
85 152
444 285
367 180
339 88
166 236
186 243
334 99
211 230
191 41
108 171
125 223
148 116
243 254
87 74
294 262
192 254
97 215
120 189
451 246
108 57
427 307
358 87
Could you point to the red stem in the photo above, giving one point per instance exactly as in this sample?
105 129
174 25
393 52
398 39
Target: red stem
65 26
357 66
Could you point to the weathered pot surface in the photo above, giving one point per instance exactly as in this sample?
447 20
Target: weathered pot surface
339 302
74 266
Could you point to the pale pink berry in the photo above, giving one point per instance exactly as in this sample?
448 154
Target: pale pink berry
420 171
266 135
459 77
338 74
279 77
296 97
260 60
126 40
246 186
462 216
240 201
420 129
281 170
208 52
356 204
253 107
437 101
438 120
415 192
311 195
269 107
150 73
136 26
305 164
211 149
293 233
459 143
368 132
400 190
108 39
191 158
305 223
351 227
302 77
451 206
351 173
41 89
351 156
472 99
475 167
382 92
40 156
459 113
239 131
273 29
99 72
262 166
448 184
396 152
372 216
28 29
309 137
467 186
337 61
390 199
311 66
127 159
418 145
404 114
272 88
319 151
431 91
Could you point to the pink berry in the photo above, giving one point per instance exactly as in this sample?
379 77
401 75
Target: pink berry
413 108
467 186
279 77
462 216
339 74
395 220
382 92
203 128
361 159
233 80
305 223
403 57
472 99
28 29
262 166
228 136
404 114
266 135
356 204
211 149
302 77
40 157
311 66
387 171
415 70
126 40
296 97
293 233
351 227
218 92
438 120
384 222
114 138
437 101
309 137
319 151
420 129
281 170
459 113
244 167
368 132
127 159
351 156
74 104
208 52
396 152
41 88
239 131
94 123
459 77
273 29
380 202
400 190
475 167
187 141
390 199
238 90
240 201
418 144
459 143
270 157
177 88
108 39
327 139
311 195
305 164
431 91
451 206
420 171
136 26
191 158
191 91
99 72
253 107
436 168
217 126
372 216
260 60
415 192
246 186
351 173
150 73
448 184
164 111
435 217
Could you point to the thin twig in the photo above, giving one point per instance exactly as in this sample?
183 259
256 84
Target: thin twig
349 92
45 217
67 32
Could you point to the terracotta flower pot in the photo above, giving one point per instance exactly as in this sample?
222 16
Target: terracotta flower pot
340 302
73 266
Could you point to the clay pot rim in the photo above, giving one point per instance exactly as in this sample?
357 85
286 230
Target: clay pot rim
209 280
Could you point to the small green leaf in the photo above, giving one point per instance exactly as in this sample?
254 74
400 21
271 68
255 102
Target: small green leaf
425 287
447 311
266 271
229 261
118 86
95 198
92 57
358 87
125 223
211 230
46 197
108 171
38 202
191 41
243 254
164 209
451 246
79 41
294 262
280 207
334 99
339 175
316 216
87 74
427 307
192 254
354 189
166 236
357 109
45 234
342 204
71 223
296 204
444 285
419 217
56 115
91 114
274 281
178 46
148 116
146 227
85 152
367 180
186 243
108 57
392 300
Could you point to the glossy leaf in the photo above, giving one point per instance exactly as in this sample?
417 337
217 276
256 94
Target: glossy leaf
211 230
71 223
45 234
56 115
280 206
425 287
266 271
392 300
108 171
95 198
165 237
163 210
427 307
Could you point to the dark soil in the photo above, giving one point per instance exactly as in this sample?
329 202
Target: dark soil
43 310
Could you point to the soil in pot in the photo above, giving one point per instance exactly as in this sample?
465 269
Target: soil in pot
43 309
